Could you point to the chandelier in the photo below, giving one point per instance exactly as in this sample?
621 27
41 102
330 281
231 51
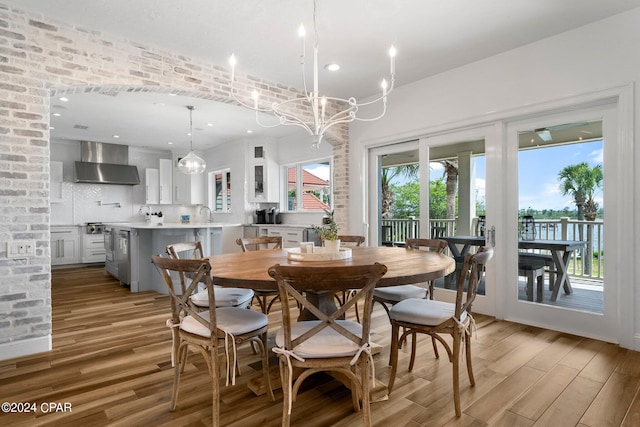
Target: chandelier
191 164
313 112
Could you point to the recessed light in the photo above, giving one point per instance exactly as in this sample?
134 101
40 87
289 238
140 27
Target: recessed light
210 124
249 131
172 94
63 99
116 136
57 114
51 128
170 143
332 67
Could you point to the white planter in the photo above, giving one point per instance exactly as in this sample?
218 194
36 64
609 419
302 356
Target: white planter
332 245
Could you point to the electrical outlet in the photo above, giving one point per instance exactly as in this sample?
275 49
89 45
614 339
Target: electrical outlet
21 249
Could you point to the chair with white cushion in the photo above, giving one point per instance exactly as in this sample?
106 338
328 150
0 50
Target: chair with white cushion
207 331
326 344
436 318
225 297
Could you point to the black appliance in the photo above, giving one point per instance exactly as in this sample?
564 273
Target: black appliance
94 228
273 216
261 216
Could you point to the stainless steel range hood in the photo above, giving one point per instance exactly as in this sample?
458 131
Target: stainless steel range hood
105 164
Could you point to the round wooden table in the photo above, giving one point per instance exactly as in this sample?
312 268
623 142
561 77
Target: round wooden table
404 266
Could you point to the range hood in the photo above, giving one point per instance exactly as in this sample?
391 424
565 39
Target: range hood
105 164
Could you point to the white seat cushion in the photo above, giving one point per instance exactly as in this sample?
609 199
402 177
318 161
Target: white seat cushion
399 293
225 297
423 311
326 343
235 321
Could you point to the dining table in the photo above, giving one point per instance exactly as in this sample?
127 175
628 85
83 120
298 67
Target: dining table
404 266
560 250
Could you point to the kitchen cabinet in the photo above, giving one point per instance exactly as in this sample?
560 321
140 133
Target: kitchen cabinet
152 186
166 181
187 189
93 248
65 245
291 237
264 176
56 182
159 183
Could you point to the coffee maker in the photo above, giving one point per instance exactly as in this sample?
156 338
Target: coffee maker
273 216
261 216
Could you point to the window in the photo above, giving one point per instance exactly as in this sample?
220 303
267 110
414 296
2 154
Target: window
309 186
220 185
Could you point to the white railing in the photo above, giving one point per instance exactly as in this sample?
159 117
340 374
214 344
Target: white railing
591 232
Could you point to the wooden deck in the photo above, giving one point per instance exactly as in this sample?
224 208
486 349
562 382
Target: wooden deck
111 362
587 295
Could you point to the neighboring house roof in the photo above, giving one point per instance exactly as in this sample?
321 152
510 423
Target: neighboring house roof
311 202
307 178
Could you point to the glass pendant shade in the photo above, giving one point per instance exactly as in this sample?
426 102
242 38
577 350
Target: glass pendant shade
192 164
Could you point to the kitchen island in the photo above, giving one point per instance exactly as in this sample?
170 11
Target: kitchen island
146 239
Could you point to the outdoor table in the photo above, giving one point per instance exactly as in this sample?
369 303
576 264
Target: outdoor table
560 252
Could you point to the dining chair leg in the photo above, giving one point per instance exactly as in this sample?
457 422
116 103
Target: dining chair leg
456 373
393 357
414 345
467 345
366 395
265 366
215 387
286 393
176 384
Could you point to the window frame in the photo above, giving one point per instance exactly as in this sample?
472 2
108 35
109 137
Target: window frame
226 184
299 207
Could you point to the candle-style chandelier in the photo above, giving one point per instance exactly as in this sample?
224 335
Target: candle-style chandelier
313 112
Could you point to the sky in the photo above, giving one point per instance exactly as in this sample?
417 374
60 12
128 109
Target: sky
538 170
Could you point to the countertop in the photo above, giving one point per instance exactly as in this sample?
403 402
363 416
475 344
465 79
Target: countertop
144 225
279 225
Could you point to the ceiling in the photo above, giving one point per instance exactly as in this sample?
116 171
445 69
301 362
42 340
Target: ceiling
430 36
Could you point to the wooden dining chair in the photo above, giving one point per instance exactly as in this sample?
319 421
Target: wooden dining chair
260 243
207 331
225 297
347 240
326 344
437 318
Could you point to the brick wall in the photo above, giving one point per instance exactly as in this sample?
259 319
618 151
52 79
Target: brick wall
40 57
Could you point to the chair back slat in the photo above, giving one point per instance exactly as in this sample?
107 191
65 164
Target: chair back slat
255 242
347 240
435 245
470 274
292 280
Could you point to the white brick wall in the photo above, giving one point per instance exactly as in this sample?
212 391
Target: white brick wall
40 57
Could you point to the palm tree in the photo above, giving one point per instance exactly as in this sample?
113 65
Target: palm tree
580 181
451 173
387 175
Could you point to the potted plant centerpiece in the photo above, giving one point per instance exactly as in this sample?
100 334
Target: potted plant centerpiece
329 232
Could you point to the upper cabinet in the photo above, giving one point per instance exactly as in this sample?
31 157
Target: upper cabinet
56 181
159 183
187 189
263 175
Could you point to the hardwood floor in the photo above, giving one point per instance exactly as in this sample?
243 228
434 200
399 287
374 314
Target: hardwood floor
111 362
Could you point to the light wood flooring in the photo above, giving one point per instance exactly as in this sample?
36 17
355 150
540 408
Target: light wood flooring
111 362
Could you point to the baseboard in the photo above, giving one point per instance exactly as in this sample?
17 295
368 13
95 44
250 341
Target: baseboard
26 347
636 342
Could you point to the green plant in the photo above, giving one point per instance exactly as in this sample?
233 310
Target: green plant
329 230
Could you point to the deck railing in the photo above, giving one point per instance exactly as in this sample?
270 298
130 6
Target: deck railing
581 264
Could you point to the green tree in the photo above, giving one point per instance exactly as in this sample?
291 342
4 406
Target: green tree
437 199
387 175
406 200
580 181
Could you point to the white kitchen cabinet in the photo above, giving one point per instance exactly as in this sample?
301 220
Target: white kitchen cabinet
187 189
152 186
65 245
93 248
291 237
264 176
166 181
56 182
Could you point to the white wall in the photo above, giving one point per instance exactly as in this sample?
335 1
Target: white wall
599 56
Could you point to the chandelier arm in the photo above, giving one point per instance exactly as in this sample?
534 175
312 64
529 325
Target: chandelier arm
242 103
288 120
371 119
264 125
381 97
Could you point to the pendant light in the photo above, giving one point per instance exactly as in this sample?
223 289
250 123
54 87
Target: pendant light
191 164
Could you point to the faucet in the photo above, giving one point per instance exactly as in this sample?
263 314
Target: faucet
146 214
207 208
